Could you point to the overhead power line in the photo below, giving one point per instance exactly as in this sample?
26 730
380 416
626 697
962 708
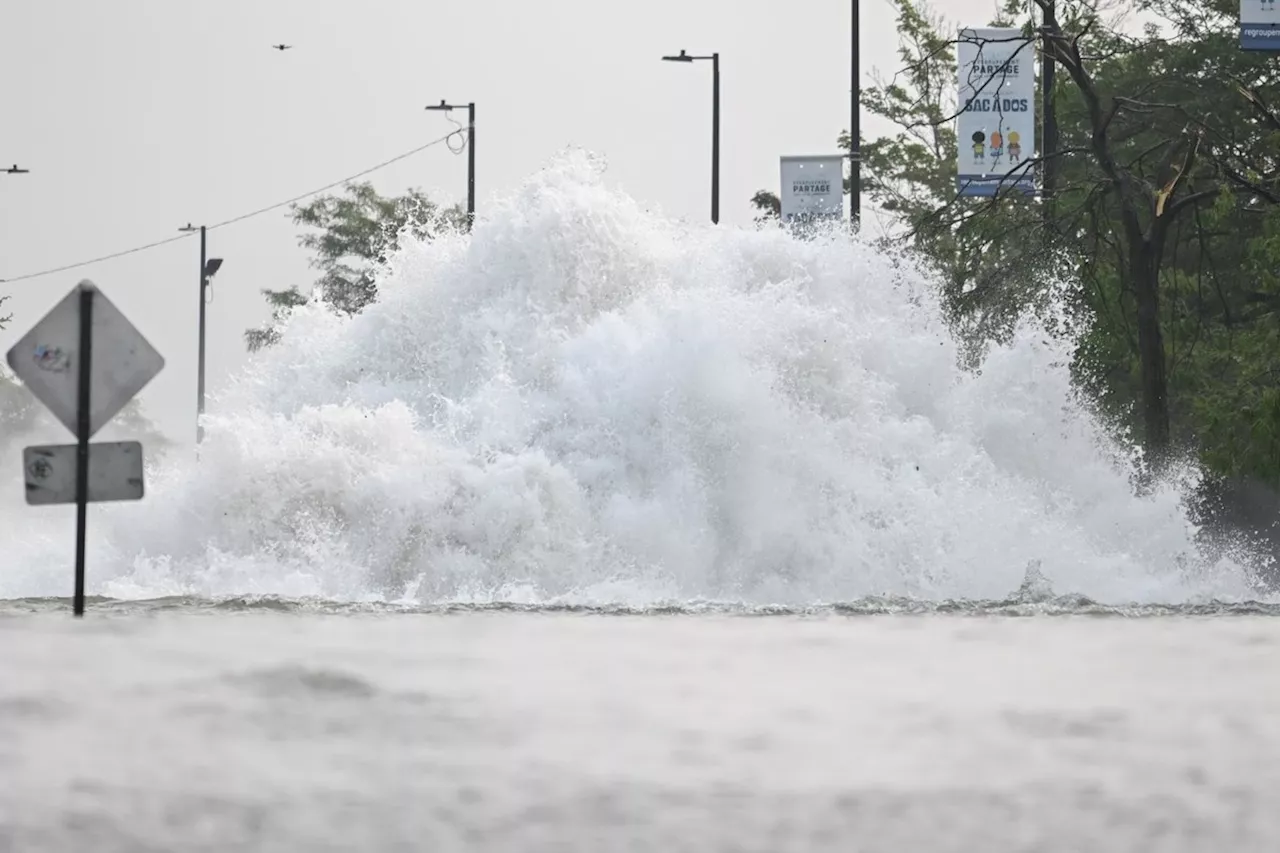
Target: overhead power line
79 264
234 219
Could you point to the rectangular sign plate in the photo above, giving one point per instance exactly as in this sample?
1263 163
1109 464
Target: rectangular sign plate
115 472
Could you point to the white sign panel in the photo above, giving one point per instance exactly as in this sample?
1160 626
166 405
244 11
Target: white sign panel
996 128
121 361
1259 25
812 187
115 472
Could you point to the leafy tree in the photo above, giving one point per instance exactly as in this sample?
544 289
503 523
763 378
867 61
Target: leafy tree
912 174
353 235
1165 208
282 303
769 206
1167 202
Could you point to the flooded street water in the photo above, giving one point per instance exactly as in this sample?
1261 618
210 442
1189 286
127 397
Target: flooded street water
179 730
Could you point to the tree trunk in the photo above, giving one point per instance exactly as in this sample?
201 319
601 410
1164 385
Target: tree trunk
1144 271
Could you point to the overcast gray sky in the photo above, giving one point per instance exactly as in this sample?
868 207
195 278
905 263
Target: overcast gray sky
138 116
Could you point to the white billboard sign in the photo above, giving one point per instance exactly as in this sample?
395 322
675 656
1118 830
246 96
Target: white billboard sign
1259 25
996 128
812 187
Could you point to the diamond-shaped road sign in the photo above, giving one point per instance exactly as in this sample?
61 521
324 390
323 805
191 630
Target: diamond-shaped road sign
84 361
115 472
121 362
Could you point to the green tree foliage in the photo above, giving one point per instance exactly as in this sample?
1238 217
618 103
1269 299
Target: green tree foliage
912 173
351 237
1168 183
1165 213
282 303
768 205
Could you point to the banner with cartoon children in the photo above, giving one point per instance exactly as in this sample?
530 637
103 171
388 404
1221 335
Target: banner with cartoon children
996 127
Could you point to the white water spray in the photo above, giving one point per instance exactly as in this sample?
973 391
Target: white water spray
584 401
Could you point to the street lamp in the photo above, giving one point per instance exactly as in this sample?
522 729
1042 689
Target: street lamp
471 154
1048 117
208 268
715 124
14 170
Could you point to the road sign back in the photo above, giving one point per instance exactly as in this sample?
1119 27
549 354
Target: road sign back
45 359
115 472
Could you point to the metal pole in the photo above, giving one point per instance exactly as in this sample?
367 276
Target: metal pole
715 138
204 283
82 438
855 133
471 165
1049 121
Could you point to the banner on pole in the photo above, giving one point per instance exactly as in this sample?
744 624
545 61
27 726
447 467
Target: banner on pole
1259 25
996 128
812 187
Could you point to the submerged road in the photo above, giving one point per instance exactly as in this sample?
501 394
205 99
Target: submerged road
551 731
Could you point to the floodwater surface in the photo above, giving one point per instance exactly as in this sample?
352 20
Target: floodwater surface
182 729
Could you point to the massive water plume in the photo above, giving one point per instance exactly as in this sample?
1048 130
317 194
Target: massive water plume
585 401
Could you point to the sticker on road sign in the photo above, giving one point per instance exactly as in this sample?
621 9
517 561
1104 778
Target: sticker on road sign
115 472
122 362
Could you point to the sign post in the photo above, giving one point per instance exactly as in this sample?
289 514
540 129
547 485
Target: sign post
84 397
84 360
996 128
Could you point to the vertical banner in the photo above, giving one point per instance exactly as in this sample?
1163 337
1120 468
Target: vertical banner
812 187
1259 25
996 128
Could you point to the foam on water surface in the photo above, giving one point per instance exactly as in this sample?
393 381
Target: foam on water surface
584 401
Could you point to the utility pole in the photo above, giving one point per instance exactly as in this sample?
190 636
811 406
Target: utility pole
471 154
1048 118
715 125
471 165
208 267
855 130
715 138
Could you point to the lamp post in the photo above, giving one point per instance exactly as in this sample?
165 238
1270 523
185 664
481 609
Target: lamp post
715 124
855 131
1048 118
471 154
208 268
14 170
